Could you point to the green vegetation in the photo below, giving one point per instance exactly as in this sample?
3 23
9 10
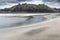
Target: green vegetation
29 8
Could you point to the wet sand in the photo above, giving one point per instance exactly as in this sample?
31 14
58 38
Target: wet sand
48 30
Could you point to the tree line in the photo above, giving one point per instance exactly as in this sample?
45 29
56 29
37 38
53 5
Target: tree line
29 8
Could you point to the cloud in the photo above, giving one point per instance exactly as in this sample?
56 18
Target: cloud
23 0
51 3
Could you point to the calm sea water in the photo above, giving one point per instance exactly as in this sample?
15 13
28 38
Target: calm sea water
6 21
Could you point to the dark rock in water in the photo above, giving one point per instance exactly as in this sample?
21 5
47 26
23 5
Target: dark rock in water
29 17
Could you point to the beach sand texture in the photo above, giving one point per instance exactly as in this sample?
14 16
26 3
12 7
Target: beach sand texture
47 30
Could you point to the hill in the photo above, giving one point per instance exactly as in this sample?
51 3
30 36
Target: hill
29 8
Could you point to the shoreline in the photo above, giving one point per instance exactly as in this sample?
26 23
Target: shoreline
30 31
48 20
47 30
49 17
27 31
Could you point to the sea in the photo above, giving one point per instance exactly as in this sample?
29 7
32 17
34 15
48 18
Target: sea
11 21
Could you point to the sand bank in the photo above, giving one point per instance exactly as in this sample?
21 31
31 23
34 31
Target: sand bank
48 30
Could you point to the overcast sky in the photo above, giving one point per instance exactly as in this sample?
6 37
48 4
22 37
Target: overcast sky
9 3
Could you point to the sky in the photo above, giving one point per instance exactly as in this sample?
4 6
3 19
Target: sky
10 3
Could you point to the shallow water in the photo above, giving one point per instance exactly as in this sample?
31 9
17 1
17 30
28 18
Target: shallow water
19 21
8 21
35 19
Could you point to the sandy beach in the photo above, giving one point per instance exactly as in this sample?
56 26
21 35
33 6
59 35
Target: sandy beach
47 30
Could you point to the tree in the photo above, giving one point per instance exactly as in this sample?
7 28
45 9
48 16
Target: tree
30 8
